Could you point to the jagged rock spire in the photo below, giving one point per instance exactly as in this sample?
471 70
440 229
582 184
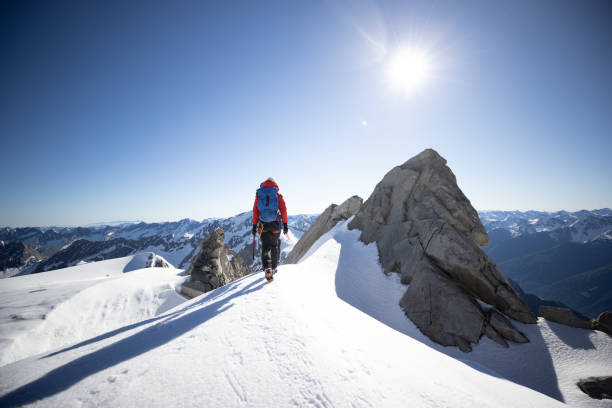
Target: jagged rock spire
426 229
214 265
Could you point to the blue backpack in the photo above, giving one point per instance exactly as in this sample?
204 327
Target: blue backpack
267 203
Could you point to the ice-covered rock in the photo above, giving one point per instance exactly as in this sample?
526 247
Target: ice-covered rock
426 229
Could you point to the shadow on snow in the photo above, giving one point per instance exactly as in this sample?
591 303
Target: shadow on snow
139 343
541 376
207 297
576 339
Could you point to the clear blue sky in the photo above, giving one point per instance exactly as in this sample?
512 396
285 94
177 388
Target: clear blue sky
163 110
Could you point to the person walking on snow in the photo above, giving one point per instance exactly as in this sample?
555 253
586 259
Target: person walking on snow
270 213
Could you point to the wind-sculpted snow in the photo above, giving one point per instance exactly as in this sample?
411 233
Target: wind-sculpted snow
44 311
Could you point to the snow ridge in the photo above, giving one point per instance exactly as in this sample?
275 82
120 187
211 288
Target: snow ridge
290 343
327 333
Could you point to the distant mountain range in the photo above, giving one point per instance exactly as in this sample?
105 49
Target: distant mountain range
562 256
39 249
579 226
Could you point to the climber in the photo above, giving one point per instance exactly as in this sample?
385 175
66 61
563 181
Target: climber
269 215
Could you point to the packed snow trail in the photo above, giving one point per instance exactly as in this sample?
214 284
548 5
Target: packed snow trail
292 342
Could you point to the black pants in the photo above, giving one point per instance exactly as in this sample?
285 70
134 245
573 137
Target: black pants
270 249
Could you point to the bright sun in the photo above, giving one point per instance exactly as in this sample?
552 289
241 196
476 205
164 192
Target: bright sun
409 69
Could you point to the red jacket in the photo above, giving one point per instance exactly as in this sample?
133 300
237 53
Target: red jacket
281 203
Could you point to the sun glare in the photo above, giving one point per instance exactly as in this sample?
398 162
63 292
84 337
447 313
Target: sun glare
409 69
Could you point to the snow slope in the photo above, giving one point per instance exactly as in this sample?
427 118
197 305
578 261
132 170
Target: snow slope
298 341
51 309
552 362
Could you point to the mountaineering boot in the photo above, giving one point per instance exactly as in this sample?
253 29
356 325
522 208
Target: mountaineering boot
270 274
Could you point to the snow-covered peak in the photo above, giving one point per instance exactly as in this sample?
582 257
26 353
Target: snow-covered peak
175 241
579 226
110 224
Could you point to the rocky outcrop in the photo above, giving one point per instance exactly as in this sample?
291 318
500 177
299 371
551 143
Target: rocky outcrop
563 315
324 223
426 230
156 261
193 289
214 265
502 327
603 323
597 387
16 254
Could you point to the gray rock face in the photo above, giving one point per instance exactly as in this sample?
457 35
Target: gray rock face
451 317
603 323
16 254
193 289
564 316
504 327
326 221
215 265
597 387
427 230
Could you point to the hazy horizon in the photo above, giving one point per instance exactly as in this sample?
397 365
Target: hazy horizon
102 223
